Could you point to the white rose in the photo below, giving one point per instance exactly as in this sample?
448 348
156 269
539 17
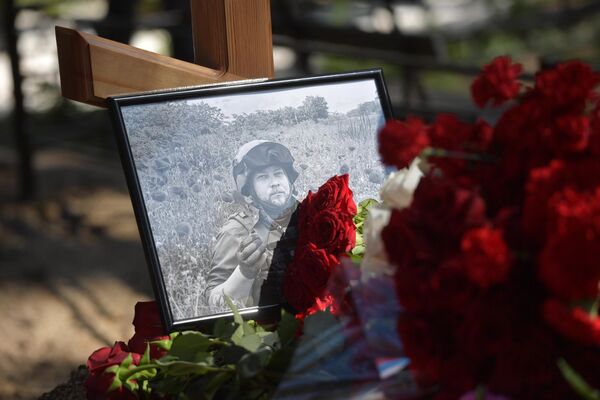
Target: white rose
375 261
397 191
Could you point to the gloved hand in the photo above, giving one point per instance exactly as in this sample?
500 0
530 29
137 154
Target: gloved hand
252 256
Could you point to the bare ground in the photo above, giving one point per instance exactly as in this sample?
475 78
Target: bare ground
71 270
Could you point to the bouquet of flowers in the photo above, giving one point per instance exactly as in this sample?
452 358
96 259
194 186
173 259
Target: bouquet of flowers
479 272
239 359
497 258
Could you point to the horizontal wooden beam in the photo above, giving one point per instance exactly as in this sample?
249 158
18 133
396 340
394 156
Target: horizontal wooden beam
92 69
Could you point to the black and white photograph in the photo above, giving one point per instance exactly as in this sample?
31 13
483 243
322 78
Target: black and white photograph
216 175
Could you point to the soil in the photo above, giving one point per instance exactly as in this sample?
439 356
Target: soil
71 270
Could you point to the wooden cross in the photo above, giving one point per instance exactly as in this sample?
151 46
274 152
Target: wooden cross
232 41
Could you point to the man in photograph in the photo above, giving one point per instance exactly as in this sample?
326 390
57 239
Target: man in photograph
254 247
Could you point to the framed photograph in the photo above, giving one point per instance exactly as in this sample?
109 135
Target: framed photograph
216 174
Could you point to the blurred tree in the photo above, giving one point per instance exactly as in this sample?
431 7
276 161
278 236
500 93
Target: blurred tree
315 107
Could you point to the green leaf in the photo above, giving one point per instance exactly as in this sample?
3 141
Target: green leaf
579 385
237 318
252 364
224 329
186 346
127 361
215 384
356 258
288 326
250 342
179 368
229 355
163 344
116 383
359 241
146 357
169 385
248 329
207 386
319 322
280 360
270 339
132 386
143 375
237 335
358 250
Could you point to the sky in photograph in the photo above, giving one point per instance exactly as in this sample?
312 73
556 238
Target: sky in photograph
340 97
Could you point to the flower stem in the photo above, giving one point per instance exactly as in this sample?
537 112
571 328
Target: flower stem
593 313
480 392
437 152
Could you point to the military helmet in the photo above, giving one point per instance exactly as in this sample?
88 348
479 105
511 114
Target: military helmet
259 154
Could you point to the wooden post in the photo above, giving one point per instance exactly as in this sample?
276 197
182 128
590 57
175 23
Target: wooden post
232 41
233 36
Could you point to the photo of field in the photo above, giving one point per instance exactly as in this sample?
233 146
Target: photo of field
183 152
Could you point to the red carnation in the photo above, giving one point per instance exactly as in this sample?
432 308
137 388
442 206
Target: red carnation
449 133
574 324
569 264
497 82
148 328
400 142
446 210
594 141
526 369
569 84
485 256
545 182
571 133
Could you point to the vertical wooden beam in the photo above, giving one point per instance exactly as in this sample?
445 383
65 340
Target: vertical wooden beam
234 36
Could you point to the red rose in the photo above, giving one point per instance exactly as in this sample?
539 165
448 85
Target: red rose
569 263
108 356
314 268
335 194
295 292
574 324
99 381
332 231
148 328
485 256
327 303
400 142
497 82
567 84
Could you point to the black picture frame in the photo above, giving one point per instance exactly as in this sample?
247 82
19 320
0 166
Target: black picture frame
119 105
